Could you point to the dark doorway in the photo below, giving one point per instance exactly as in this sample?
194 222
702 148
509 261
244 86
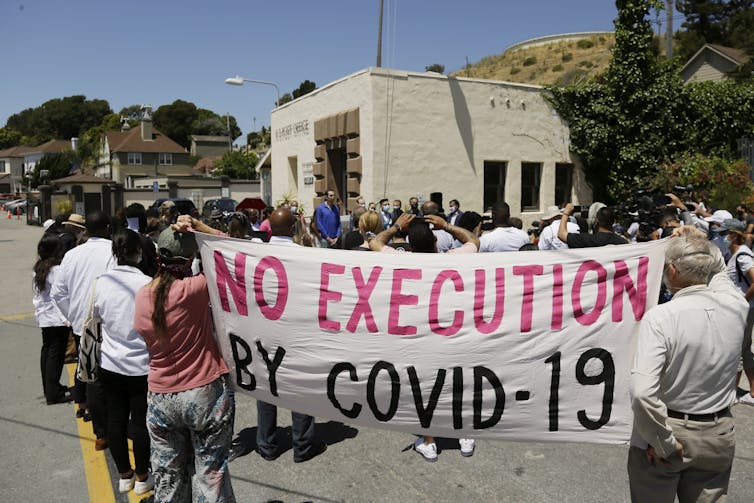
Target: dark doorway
92 201
336 178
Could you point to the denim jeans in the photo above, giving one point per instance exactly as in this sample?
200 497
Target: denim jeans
191 433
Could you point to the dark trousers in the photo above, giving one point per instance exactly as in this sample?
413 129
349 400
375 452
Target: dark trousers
79 388
302 431
126 396
54 343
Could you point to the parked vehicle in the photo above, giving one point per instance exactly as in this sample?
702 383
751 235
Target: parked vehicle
225 205
183 206
14 205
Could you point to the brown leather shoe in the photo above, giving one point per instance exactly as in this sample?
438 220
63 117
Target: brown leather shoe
100 444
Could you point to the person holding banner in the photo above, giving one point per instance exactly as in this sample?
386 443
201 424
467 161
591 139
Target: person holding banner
422 240
683 380
191 405
305 447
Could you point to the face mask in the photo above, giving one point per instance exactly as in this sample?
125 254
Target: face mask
363 205
294 209
453 209
396 208
385 208
414 206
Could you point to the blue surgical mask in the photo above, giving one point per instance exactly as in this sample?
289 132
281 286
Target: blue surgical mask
385 208
453 209
294 209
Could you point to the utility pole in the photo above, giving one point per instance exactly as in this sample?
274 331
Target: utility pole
669 32
227 124
379 39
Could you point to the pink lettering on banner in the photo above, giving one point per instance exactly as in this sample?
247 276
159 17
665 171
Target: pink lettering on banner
398 299
364 289
237 285
325 295
273 264
527 301
599 304
434 300
487 327
557 297
637 294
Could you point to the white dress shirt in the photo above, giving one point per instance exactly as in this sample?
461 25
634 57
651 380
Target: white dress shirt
45 310
444 240
124 350
72 288
503 239
686 359
549 240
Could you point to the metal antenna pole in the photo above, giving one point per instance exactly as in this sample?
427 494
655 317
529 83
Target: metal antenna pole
379 39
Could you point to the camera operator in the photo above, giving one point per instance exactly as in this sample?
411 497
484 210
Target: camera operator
604 234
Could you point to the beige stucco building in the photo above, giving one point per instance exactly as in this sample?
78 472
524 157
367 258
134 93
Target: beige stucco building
387 133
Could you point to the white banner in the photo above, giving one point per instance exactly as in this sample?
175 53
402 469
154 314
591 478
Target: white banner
533 346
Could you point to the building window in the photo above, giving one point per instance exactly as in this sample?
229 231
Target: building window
166 159
531 176
134 158
494 182
563 183
2 166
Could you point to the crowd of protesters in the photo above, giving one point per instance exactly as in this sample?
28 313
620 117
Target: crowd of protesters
163 378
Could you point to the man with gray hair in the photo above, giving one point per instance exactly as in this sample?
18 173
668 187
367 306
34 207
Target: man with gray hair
683 378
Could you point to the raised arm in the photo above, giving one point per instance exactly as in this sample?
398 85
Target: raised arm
458 233
383 238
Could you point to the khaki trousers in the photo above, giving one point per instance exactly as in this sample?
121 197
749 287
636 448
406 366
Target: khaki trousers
703 473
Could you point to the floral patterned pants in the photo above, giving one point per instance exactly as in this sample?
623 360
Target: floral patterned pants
191 433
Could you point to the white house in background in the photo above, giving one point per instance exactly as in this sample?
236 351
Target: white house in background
18 161
388 133
32 155
140 152
712 62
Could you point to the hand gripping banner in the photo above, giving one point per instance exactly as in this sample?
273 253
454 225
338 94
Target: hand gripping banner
530 346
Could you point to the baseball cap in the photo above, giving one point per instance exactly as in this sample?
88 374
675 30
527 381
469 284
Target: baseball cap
719 216
176 245
731 224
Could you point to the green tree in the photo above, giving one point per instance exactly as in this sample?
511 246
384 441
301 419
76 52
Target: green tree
726 22
57 166
255 138
236 164
9 137
285 98
59 118
304 88
435 67
176 121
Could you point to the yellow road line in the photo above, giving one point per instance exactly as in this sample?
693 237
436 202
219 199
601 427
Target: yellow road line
95 465
13 317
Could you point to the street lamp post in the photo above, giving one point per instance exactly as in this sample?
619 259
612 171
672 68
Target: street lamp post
238 81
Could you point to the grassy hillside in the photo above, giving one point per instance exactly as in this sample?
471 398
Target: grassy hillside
561 62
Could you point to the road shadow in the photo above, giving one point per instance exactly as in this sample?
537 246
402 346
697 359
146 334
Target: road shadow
331 432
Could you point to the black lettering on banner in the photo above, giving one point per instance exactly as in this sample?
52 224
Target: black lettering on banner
425 413
272 366
607 376
337 369
242 364
554 386
395 387
497 412
457 398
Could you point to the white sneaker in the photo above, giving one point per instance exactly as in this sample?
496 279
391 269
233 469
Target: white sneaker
145 486
428 451
746 399
467 447
125 485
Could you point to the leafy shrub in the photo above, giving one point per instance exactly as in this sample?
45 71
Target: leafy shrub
557 68
530 61
584 44
585 64
602 40
567 57
515 70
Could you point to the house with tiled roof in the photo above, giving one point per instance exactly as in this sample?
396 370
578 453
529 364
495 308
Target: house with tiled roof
17 161
139 152
12 169
712 62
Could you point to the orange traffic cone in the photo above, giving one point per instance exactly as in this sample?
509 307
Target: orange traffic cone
8 216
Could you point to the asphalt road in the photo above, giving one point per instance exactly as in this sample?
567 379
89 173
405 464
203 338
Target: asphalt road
42 458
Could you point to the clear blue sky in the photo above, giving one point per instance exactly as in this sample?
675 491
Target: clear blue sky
157 51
